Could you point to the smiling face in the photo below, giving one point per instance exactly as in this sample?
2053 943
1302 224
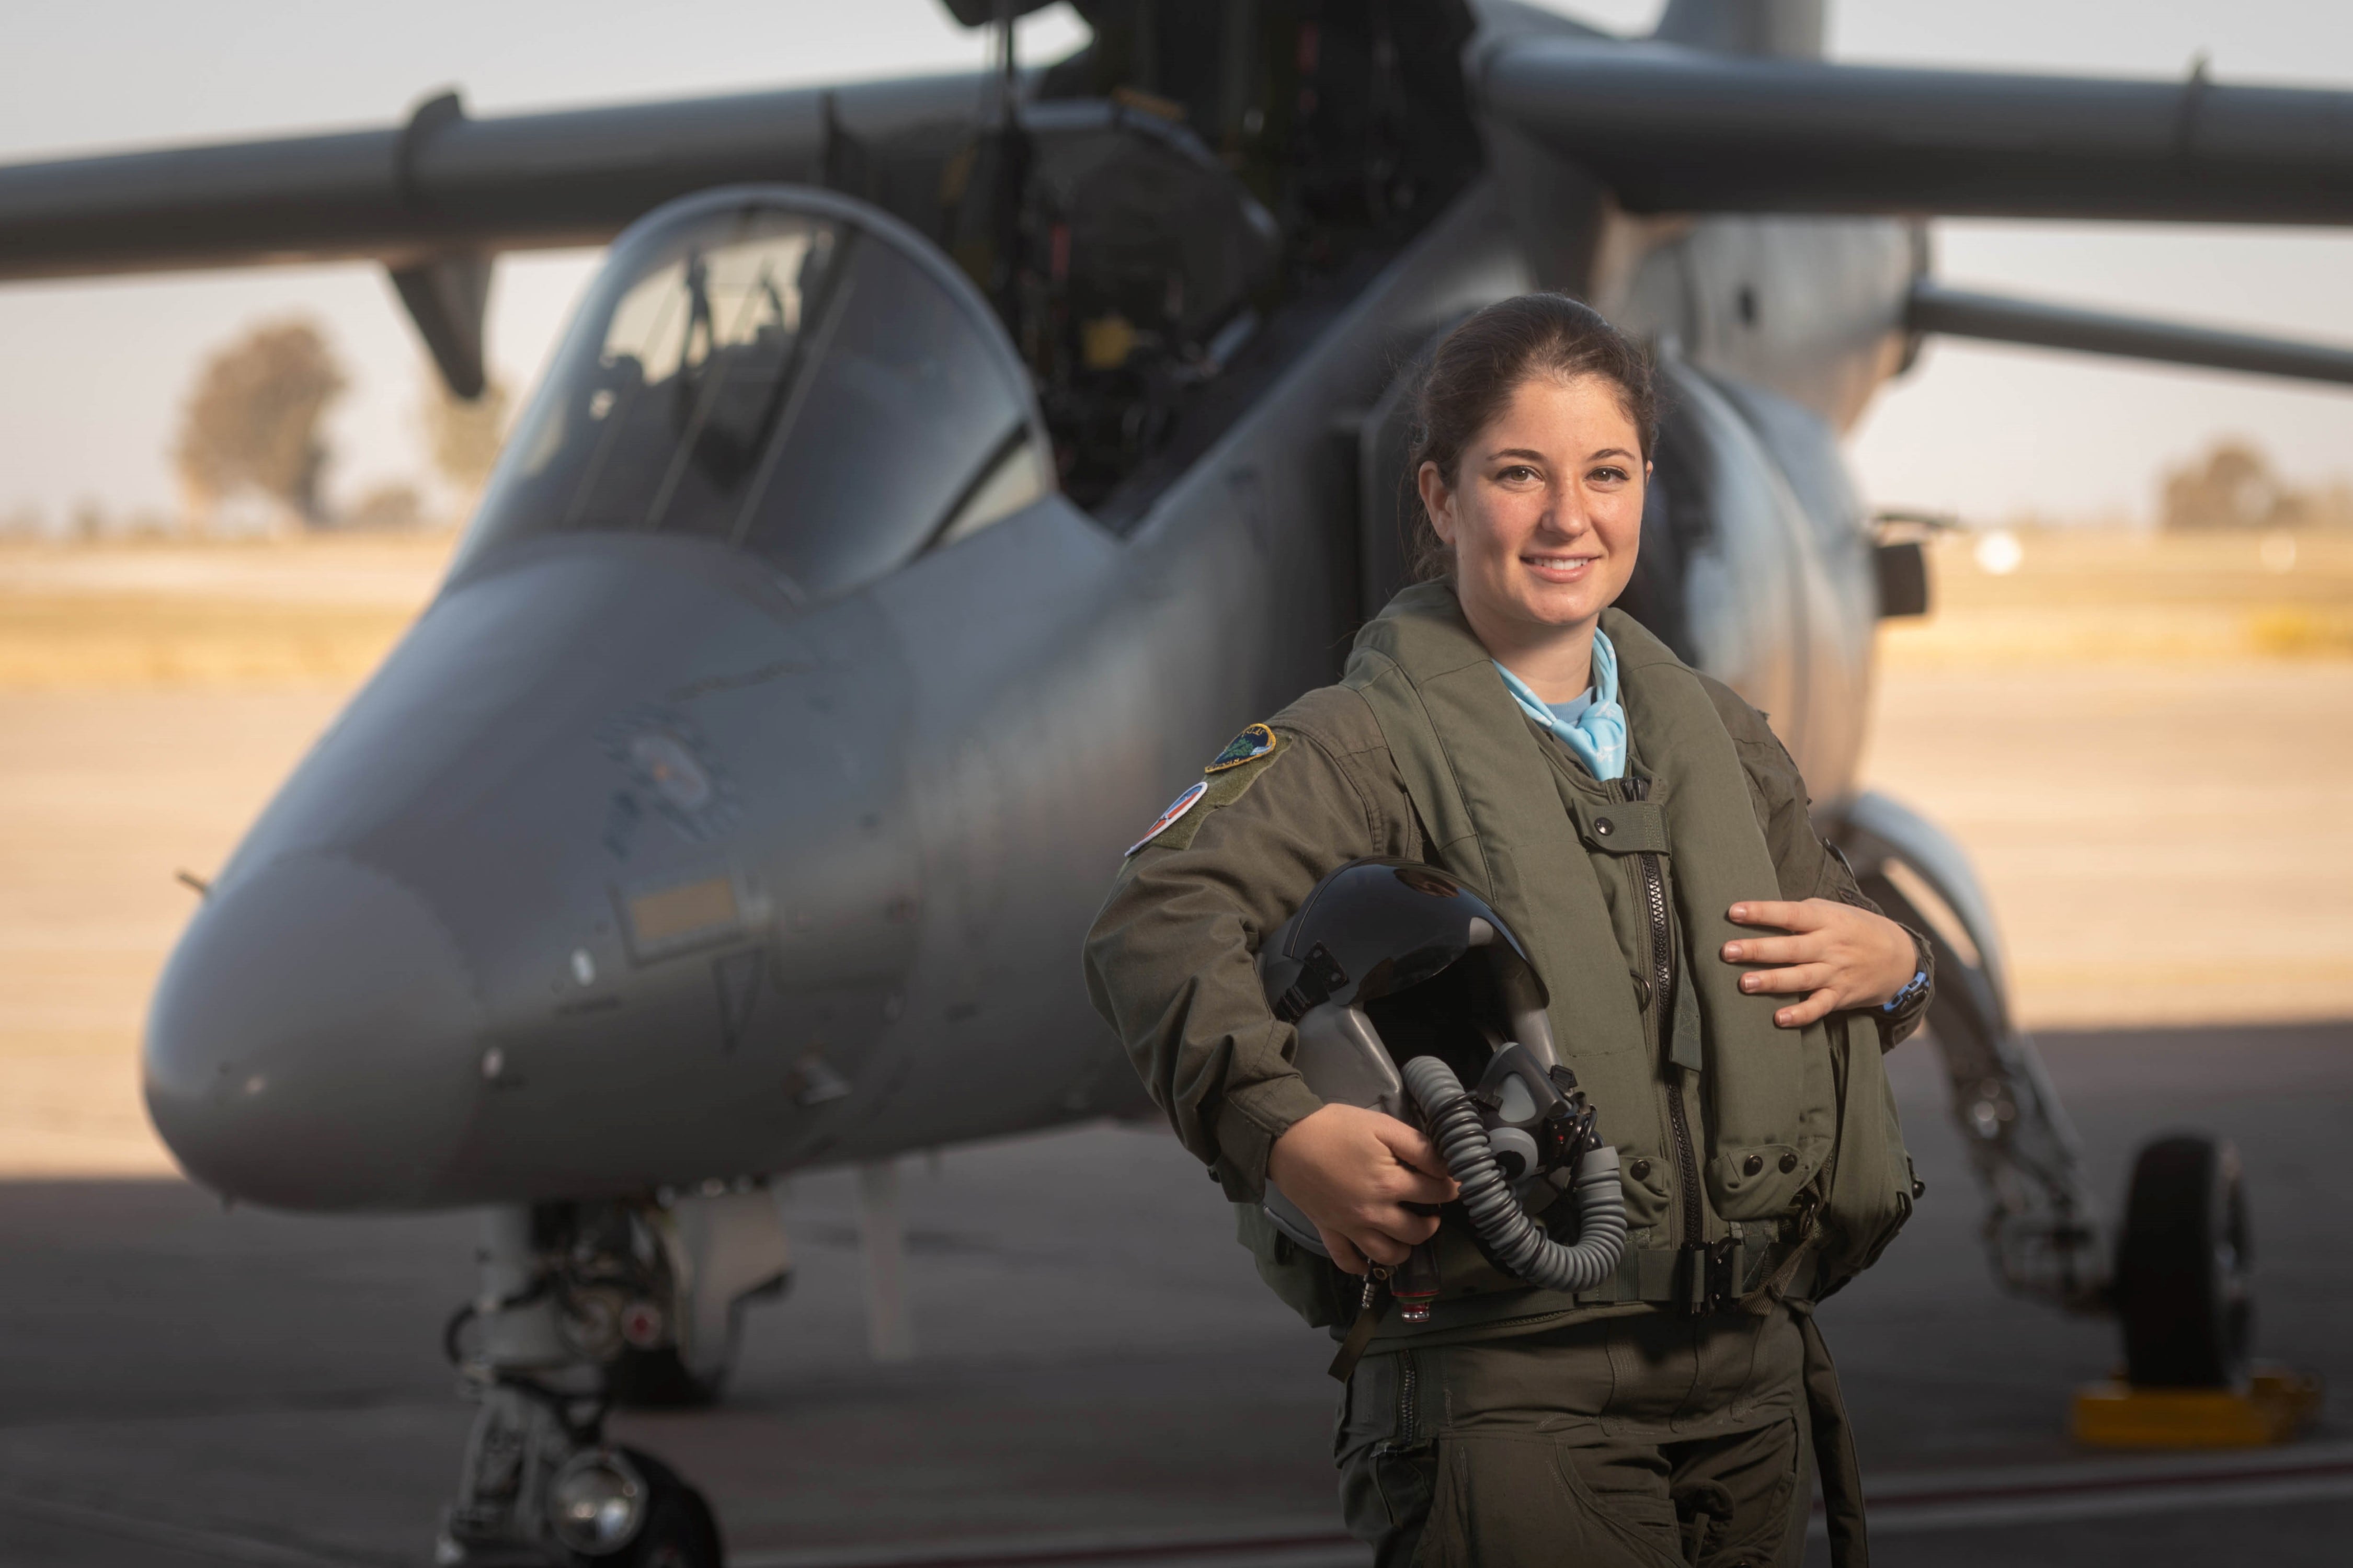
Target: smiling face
1544 519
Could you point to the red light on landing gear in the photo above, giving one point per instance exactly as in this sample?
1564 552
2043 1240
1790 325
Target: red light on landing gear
641 1324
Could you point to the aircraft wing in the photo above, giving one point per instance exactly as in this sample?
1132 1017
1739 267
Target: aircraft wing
434 198
1671 130
443 181
1666 128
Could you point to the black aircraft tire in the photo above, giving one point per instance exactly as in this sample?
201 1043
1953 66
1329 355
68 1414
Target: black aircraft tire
2181 1288
679 1530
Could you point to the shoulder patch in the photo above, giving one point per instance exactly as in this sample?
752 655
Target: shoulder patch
1252 743
1188 812
1176 809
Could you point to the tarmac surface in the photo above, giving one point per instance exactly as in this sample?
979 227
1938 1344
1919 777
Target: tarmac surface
1100 1377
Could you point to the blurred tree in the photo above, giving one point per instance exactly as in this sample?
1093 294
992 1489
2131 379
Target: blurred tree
2330 508
386 507
253 420
466 433
2231 488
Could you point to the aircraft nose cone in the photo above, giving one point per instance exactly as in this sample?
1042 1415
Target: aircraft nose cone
315 1041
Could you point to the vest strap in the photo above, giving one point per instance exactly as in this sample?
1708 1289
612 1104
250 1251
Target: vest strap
1376 1300
1834 1453
1712 1278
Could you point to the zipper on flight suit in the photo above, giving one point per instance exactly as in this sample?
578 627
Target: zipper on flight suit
1402 1468
1662 990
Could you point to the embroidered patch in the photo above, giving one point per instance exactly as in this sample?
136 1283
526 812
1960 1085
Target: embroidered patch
1247 747
1176 808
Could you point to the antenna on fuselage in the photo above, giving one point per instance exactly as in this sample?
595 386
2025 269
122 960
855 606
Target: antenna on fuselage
983 190
1003 27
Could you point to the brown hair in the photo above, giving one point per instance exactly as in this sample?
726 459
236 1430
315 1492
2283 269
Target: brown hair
1476 368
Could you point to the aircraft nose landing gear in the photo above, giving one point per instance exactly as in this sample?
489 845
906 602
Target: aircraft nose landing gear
577 1299
542 1489
618 1507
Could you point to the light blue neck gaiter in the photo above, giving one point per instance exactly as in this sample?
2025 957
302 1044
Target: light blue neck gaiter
1593 727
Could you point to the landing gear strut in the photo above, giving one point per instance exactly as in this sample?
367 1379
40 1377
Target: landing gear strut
583 1306
2179 1285
2042 1229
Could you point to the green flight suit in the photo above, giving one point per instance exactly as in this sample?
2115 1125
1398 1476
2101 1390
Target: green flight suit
1658 1435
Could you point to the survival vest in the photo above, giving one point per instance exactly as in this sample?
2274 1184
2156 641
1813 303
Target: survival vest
1772 1156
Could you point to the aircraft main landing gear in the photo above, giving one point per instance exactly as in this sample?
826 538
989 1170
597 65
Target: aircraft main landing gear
581 1306
2177 1280
2181 1292
2181 1286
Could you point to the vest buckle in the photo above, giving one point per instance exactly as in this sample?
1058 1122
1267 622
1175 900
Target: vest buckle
1707 1276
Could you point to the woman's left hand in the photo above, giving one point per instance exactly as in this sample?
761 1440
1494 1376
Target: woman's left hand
1837 955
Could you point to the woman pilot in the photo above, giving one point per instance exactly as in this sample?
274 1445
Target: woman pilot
1491 720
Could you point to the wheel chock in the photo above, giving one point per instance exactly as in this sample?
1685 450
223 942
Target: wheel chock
2275 1404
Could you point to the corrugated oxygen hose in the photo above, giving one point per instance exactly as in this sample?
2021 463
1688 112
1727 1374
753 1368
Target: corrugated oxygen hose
1516 1240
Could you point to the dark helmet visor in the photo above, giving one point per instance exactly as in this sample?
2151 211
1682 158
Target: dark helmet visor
1381 926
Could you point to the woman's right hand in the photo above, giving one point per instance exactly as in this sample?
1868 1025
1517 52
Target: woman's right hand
1352 1172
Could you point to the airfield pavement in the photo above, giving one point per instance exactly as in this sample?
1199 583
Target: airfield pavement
2148 747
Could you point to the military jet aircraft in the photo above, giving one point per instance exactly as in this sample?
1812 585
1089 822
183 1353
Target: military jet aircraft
937 473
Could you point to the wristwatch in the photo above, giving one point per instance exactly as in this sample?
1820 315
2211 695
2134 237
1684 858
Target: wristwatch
1899 1013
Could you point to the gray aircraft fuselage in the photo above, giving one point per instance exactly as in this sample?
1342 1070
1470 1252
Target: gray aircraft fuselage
631 869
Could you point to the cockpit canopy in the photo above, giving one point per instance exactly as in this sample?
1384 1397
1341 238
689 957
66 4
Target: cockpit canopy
785 370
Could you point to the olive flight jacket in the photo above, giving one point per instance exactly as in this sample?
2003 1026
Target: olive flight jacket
1171 961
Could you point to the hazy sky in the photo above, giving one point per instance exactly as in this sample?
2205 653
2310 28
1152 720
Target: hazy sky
95 372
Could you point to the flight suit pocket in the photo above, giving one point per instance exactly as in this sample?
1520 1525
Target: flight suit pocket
1402 1474
1770 1129
1386 1465
1736 1499
1643 1181
1521 1502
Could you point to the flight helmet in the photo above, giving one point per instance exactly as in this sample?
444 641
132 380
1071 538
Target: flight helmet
1404 986
1389 960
